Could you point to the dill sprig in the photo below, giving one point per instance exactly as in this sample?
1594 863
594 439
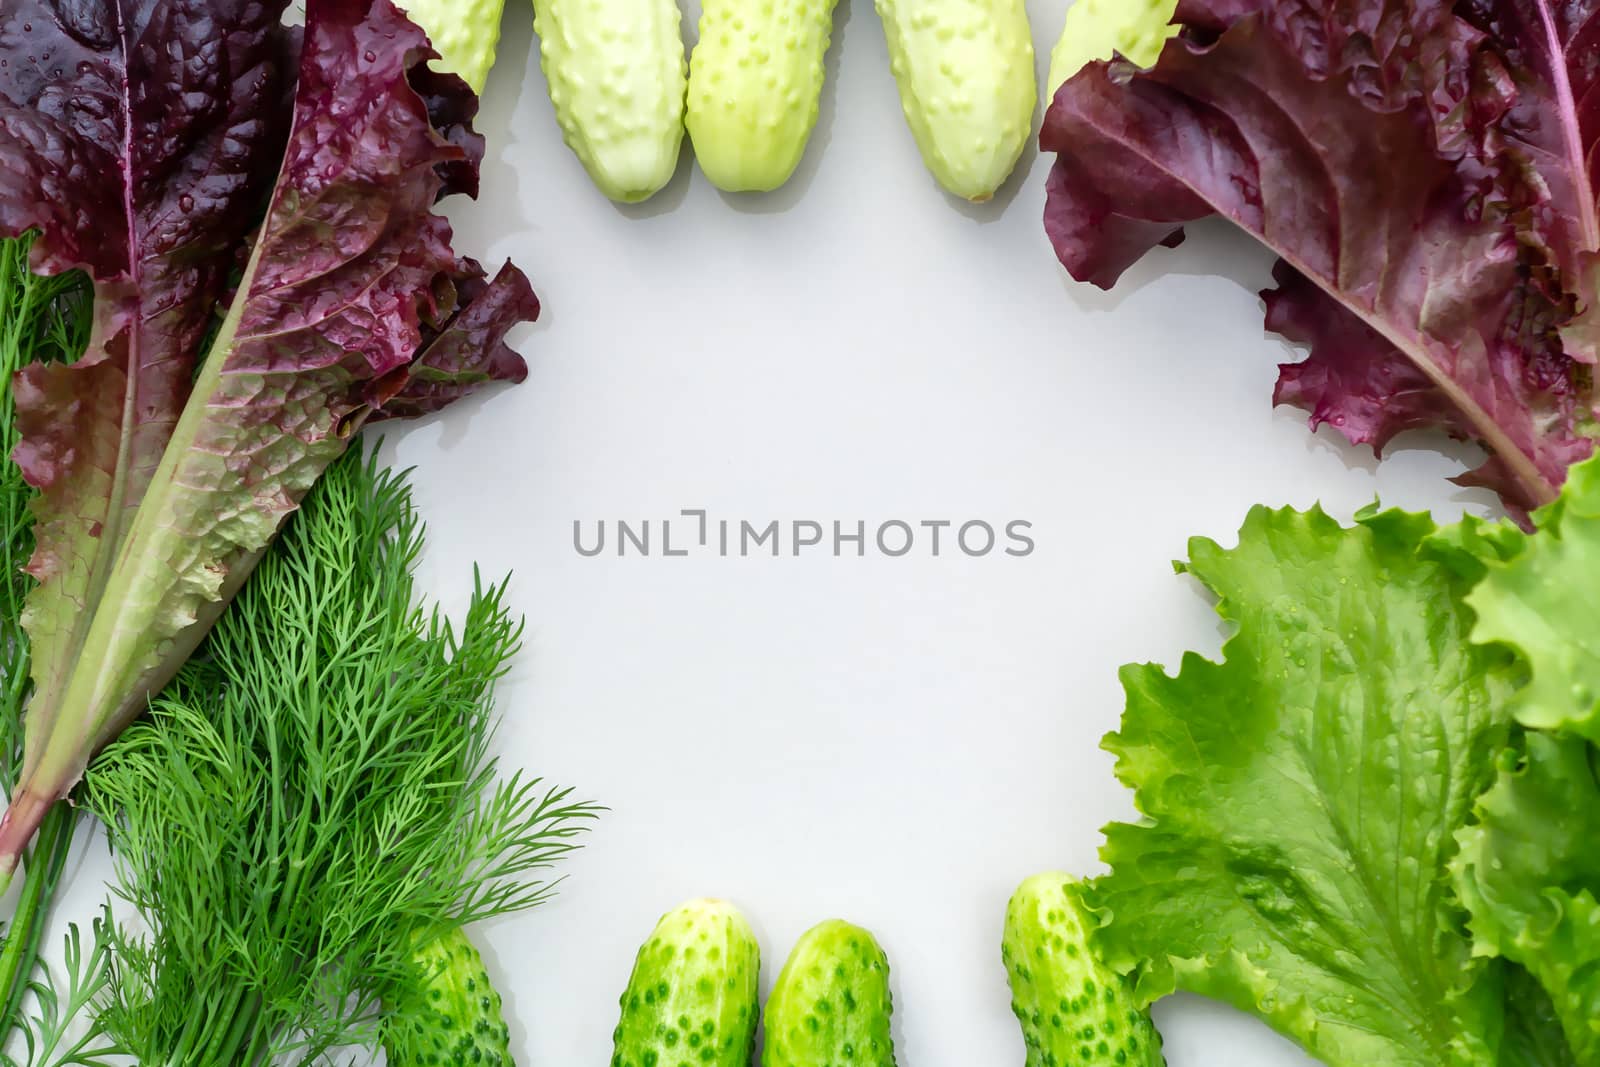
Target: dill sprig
313 793
55 1035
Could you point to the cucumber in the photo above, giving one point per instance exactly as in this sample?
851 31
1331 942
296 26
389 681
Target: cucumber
755 80
447 1012
617 73
463 32
831 1004
691 999
1098 29
965 71
1073 1008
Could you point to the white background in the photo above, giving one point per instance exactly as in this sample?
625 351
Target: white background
896 742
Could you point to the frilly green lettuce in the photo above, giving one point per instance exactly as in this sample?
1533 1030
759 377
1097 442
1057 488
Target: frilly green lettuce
1301 796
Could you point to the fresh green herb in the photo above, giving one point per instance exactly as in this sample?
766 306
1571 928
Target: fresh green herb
56 1035
313 795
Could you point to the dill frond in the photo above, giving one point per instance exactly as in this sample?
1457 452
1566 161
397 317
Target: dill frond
54 1036
313 793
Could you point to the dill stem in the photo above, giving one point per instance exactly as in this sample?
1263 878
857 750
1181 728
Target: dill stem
198 1017
201 1028
260 1047
43 866
224 1047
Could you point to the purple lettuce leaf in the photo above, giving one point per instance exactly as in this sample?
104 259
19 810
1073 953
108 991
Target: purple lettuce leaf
352 298
1550 53
1361 143
140 140
470 349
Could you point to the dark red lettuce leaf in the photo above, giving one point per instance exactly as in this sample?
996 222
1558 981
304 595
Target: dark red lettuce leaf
470 348
1359 142
1393 53
1551 53
352 299
140 138
1352 381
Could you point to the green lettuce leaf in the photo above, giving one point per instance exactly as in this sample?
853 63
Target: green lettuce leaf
1533 1033
1540 601
1302 796
1529 867
1529 872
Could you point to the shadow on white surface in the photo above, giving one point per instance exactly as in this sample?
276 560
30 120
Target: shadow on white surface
1197 1032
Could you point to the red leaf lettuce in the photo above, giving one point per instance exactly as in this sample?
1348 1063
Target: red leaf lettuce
1424 173
147 140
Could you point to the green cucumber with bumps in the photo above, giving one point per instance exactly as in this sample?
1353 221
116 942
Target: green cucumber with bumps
1100 29
755 86
831 1003
463 32
617 74
448 1012
967 86
692 998
1073 1008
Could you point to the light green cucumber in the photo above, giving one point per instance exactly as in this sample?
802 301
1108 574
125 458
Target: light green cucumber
1098 29
965 71
463 32
1073 1008
447 1013
617 73
692 996
831 1004
755 82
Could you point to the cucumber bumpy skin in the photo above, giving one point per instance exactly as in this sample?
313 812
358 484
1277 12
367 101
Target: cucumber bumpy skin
755 82
831 1003
617 74
1073 1008
965 72
692 997
464 33
448 1014
1097 29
